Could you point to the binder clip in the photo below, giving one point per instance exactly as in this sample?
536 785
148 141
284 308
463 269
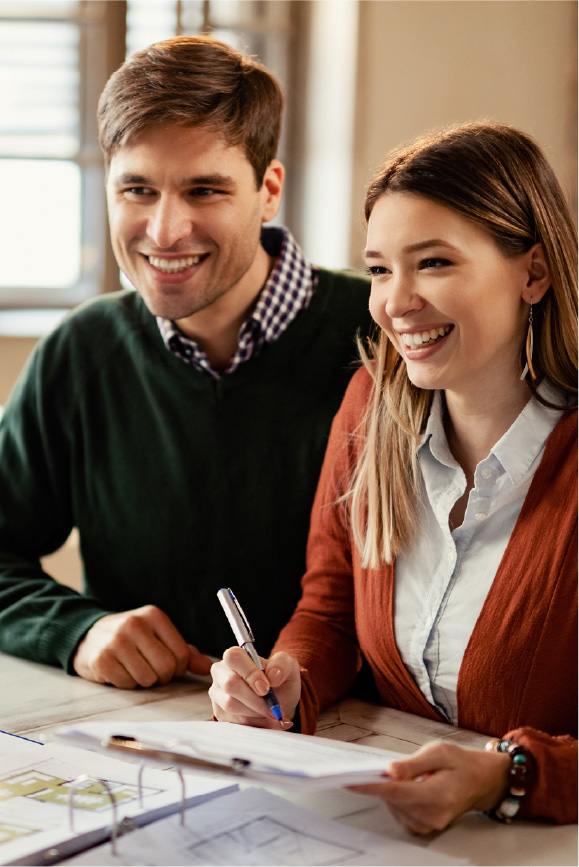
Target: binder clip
182 779
76 784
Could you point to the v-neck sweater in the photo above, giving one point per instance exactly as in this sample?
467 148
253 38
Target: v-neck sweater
178 483
518 676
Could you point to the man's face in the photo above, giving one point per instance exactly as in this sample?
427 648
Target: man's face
185 218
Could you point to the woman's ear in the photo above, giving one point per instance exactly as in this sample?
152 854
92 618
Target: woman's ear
539 275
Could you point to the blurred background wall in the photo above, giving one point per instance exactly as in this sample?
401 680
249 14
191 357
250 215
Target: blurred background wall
361 77
425 64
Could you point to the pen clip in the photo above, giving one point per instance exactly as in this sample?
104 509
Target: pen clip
228 596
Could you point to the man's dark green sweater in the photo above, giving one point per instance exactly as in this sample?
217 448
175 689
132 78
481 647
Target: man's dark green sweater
178 483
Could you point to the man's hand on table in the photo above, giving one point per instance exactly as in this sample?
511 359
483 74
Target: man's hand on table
141 647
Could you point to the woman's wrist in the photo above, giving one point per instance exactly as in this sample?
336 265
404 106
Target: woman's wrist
521 775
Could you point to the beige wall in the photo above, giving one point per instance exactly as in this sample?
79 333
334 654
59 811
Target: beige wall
423 64
427 63
13 354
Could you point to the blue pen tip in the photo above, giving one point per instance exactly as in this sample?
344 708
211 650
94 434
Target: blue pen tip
276 711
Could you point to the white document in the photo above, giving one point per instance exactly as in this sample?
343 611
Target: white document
276 758
11 744
254 827
35 790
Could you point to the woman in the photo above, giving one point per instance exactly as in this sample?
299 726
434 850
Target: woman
443 542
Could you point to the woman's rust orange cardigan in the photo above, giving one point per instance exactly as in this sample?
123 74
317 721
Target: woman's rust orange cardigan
518 676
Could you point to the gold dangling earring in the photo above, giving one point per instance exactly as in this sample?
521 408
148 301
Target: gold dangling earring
528 368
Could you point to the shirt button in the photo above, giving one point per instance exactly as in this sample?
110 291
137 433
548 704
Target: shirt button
480 516
486 473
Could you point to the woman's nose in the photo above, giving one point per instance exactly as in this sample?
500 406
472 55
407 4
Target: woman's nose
399 297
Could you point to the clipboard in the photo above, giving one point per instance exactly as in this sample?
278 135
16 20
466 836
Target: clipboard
282 759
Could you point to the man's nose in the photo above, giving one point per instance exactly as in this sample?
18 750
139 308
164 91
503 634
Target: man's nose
171 221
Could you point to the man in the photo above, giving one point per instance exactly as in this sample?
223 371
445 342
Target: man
181 427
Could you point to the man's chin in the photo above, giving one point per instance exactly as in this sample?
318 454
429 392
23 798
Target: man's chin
167 306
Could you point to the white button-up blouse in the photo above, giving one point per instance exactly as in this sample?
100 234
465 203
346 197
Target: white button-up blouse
442 581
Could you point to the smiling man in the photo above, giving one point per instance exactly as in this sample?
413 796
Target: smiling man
180 427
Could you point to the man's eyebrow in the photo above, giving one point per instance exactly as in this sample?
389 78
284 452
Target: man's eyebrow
214 180
411 248
128 178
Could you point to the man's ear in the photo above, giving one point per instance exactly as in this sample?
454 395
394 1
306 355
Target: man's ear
539 275
272 189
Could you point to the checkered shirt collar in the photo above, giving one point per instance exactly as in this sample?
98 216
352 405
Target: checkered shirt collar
288 290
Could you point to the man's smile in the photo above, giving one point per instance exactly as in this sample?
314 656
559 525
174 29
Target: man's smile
172 266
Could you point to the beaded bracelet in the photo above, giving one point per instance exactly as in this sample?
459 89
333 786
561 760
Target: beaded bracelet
520 774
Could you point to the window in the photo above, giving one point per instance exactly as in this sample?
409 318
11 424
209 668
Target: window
261 28
55 57
52 222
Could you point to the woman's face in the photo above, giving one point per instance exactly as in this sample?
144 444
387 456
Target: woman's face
447 297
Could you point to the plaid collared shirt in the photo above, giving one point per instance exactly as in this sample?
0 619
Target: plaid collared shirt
288 290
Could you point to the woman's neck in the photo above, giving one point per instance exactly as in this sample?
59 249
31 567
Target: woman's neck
473 424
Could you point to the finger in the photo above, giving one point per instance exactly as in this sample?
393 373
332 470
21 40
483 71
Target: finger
239 662
410 822
147 661
108 669
431 757
417 813
280 667
254 721
233 694
198 662
169 636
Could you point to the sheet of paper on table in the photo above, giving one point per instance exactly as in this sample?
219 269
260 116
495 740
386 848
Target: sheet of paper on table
285 759
254 827
11 744
35 792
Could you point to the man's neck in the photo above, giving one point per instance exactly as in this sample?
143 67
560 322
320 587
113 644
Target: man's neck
216 328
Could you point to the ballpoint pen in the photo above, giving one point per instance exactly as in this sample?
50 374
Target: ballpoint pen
244 637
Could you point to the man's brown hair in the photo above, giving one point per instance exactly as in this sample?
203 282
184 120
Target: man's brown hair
192 81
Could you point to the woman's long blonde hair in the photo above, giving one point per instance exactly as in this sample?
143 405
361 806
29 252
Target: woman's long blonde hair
498 178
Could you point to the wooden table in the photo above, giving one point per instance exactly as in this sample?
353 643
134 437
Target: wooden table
36 699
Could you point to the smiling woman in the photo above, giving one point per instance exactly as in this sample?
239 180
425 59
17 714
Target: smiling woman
443 538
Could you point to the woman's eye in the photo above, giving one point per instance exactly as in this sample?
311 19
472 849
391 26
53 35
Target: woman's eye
376 270
435 263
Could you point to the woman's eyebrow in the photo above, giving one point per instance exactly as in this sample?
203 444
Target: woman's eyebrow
411 248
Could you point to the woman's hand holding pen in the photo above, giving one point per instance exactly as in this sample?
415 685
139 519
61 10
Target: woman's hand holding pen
239 686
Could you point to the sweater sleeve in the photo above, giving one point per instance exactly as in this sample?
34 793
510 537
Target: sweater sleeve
322 631
553 794
40 619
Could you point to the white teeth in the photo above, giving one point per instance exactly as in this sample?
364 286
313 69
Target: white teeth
419 338
172 265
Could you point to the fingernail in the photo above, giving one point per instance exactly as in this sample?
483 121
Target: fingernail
261 686
274 675
286 723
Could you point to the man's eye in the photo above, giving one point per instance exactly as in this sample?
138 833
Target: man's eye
376 270
139 191
435 263
204 192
